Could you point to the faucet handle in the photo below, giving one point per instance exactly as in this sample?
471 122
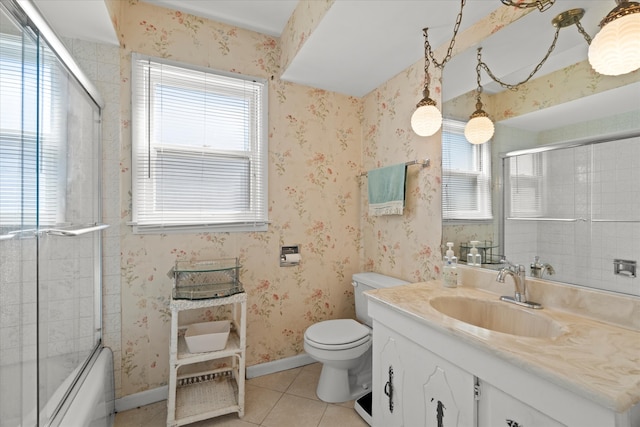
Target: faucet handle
509 265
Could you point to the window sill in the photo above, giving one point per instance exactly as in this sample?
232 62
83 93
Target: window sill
467 221
199 228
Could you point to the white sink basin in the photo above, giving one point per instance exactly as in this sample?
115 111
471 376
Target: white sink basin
498 316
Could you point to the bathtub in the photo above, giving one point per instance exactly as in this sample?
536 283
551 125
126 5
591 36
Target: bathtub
88 403
92 402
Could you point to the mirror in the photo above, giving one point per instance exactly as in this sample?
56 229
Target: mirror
587 118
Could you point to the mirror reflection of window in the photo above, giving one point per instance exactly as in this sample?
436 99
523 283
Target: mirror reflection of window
466 175
525 181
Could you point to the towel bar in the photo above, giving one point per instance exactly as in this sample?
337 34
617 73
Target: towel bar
425 164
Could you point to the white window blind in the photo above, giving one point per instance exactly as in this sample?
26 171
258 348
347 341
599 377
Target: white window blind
466 175
199 149
32 181
525 182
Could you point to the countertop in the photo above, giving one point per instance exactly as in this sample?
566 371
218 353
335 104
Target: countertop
591 358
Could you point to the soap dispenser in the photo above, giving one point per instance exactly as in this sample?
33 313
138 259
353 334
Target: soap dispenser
450 270
473 257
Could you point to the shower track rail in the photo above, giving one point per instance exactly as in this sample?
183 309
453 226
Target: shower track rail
67 231
570 219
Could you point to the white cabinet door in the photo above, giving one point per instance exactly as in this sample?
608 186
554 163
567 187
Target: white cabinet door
388 376
413 387
498 409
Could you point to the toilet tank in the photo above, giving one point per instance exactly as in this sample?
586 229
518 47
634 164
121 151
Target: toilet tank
365 282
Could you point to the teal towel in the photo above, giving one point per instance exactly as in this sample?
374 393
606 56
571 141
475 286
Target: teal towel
386 190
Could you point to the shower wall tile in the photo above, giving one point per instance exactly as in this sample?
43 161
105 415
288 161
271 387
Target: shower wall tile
83 50
583 252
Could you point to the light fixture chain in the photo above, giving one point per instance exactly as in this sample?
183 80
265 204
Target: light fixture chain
540 64
479 88
427 77
582 31
452 43
542 5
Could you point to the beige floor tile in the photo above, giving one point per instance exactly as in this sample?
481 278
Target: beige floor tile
280 381
347 404
314 367
231 420
142 416
258 402
294 411
340 416
159 419
305 384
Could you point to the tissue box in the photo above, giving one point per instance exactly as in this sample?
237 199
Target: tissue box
207 336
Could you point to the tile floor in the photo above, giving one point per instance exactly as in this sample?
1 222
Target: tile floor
283 399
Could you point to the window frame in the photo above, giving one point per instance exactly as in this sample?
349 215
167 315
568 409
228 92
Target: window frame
234 220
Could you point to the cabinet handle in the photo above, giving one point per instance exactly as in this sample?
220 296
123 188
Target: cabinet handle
388 389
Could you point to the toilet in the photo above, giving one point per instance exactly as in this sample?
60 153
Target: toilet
343 346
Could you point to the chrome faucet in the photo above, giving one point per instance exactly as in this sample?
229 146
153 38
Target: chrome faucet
517 273
538 269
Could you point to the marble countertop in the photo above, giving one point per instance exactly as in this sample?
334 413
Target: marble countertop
591 358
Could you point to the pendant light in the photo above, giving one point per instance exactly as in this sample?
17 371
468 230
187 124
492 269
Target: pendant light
480 128
427 118
615 50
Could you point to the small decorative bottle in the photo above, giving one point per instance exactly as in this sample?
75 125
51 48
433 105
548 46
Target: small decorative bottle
450 270
474 259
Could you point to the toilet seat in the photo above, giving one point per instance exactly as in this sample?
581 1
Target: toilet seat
339 334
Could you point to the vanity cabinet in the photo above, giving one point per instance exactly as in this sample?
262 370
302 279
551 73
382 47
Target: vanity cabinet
415 387
498 409
424 374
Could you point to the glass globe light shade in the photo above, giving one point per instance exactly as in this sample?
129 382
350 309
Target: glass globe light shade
426 120
615 50
479 130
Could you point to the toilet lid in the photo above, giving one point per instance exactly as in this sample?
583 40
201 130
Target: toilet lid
336 332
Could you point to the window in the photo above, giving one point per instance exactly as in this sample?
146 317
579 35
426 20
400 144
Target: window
466 175
199 149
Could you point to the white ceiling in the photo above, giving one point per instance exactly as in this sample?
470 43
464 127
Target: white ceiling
84 20
262 16
360 44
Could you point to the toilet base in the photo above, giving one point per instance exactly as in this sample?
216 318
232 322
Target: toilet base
337 385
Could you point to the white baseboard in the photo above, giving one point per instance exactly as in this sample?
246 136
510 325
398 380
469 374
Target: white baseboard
143 398
159 394
279 365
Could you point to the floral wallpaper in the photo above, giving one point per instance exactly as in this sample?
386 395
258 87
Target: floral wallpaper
314 161
303 20
319 144
404 246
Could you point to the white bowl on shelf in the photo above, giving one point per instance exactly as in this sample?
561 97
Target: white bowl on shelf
207 336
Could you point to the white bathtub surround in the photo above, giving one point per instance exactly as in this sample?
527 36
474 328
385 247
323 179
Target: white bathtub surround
593 360
93 404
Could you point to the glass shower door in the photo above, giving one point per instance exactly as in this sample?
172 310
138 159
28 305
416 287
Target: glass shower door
18 221
68 251
50 240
